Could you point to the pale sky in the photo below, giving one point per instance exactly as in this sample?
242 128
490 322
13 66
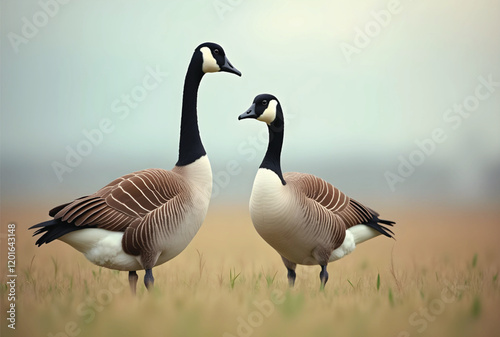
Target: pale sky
359 83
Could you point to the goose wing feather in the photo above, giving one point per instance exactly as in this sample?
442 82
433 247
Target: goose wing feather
333 201
123 202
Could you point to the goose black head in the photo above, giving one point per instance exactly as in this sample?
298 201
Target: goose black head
265 108
213 59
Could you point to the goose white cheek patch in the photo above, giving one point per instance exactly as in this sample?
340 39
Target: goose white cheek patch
209 63
269 114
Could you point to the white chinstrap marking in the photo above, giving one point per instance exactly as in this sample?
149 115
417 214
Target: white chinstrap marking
269 114
209 63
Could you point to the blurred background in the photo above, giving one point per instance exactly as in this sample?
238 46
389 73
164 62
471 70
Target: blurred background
396 103
360 83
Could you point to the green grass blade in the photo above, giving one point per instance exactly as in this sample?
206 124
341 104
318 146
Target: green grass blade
391 297
232 277
476 307
474 261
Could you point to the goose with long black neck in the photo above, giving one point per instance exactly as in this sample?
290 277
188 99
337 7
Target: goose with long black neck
304 218
146 218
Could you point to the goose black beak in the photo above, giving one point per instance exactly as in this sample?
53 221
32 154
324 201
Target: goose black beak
228 67
250 113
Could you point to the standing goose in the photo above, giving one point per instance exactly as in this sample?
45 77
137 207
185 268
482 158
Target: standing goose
146 218
303 217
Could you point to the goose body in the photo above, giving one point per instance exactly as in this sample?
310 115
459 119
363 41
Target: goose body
164 229
296 225
146 218
305 219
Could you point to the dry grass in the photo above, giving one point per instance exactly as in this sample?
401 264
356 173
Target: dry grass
440 278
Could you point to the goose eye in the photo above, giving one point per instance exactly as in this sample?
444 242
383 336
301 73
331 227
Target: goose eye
264 102
216 51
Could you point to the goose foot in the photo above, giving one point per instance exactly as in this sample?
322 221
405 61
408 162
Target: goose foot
149 280
323 276
291 277
290 266
132 281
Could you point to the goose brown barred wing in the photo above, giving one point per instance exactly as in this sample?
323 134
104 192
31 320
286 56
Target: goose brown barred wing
332 199
123 202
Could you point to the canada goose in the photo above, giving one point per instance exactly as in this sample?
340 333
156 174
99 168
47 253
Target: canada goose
303 217
148 217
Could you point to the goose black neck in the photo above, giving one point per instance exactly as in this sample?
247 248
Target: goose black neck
272 159
190 145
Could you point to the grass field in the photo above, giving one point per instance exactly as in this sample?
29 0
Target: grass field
439 278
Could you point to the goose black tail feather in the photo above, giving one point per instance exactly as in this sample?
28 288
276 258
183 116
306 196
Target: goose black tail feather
377 224
54 229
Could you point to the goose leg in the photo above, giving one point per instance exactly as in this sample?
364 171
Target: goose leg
132 280
290 266
149 280
323 276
